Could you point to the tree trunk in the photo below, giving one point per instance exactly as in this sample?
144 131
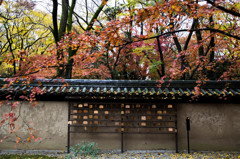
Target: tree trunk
212 43
68 73
161 57
199 41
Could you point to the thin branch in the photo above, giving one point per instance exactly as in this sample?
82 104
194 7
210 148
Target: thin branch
158 71
188 30
36 41
223 8
86 5
76 15
79 22
100 8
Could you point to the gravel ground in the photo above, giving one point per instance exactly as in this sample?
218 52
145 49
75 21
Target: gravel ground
167 155
141 155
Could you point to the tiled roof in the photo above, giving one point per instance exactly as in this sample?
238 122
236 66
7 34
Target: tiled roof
126 88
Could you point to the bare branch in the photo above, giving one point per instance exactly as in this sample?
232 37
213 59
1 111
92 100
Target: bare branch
223 8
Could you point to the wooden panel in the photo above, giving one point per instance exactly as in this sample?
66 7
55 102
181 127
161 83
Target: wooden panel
118 117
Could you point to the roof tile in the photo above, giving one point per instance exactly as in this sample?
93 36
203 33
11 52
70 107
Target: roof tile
136 89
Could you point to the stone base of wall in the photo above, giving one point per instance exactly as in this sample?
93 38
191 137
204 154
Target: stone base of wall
131 141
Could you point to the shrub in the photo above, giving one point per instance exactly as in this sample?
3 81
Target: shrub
83 149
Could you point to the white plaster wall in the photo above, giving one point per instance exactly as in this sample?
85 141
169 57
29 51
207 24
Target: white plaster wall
49 119
213 127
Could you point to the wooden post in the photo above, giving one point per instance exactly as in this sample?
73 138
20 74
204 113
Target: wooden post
176 130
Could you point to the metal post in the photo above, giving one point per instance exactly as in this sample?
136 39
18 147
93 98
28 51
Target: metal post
68 143
188 129
68 138
176 131
121 142
176 138
122 128
188 141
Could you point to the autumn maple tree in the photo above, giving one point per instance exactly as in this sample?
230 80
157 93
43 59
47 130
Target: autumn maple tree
21 35
144 40
187 42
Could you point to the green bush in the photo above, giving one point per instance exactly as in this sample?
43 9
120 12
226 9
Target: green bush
83 149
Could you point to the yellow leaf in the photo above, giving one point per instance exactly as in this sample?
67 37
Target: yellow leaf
29 139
